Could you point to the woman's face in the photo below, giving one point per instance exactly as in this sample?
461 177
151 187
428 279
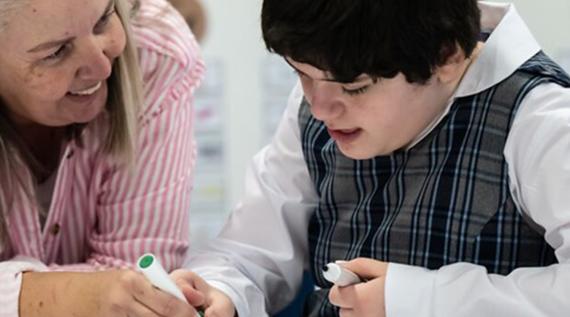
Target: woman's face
57 56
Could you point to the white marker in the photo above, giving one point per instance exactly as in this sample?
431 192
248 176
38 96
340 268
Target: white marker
149 265
339 275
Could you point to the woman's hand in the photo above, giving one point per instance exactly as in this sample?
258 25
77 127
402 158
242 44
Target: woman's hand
363 299
200 294
110 293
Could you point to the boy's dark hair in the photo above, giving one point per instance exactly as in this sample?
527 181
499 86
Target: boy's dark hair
376 37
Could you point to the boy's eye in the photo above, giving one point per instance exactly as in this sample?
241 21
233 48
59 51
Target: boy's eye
354 92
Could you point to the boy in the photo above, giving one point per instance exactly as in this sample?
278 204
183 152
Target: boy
427 145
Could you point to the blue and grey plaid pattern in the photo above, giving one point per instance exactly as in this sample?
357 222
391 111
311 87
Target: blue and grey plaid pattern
445 200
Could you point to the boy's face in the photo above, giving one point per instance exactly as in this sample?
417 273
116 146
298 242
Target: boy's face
368 118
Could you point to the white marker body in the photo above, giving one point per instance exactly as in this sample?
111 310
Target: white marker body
340 276
158 277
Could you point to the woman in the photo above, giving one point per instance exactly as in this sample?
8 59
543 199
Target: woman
96 153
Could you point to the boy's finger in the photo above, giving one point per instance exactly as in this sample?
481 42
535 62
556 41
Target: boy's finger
193 296
366 268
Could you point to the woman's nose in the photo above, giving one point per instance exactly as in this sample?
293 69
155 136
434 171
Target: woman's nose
96 64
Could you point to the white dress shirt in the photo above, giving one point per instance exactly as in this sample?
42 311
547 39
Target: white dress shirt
260 254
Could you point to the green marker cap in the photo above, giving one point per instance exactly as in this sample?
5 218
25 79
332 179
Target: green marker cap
146 261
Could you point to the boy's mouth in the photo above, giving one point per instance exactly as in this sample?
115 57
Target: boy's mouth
344 135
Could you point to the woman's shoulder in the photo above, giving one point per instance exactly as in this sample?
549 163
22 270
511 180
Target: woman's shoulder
159 29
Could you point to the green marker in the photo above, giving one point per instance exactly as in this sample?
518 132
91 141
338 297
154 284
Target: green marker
149 265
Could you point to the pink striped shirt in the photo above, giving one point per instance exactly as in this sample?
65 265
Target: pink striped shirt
104 216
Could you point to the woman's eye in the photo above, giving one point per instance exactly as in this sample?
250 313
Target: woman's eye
354 92
59 53
104 21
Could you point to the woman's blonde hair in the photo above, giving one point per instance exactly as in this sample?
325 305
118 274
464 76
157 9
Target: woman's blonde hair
123 105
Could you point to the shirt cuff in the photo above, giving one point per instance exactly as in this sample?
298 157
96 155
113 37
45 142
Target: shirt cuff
408 291
11 282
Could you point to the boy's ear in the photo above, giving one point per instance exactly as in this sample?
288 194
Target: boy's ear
453 68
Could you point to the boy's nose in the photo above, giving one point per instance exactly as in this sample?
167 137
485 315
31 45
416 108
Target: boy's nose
325 105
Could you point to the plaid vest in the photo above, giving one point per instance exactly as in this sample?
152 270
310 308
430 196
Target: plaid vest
443 201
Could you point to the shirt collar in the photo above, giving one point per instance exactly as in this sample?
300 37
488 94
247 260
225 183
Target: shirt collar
508 46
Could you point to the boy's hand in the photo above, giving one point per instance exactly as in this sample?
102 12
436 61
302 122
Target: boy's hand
363 299
203 296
